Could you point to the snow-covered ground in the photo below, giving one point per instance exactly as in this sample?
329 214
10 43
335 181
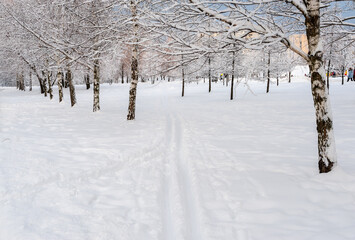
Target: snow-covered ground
194 168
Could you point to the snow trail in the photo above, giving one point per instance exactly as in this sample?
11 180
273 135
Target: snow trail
187 184
171 208
181 218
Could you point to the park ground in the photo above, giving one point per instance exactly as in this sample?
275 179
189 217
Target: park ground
200 167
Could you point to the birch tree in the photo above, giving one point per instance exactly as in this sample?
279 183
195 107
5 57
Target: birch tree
256 24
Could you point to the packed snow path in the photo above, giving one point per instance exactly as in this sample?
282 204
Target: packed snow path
194 168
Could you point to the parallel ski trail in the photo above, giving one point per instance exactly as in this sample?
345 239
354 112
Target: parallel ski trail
181 217
169 188
221 202
187 184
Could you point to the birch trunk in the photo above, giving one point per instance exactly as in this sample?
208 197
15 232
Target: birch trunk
44 83
50 90
22 82
17 81
328 74
30 81
183 82
87 81
40 81
60 87
69 81
209 75
326 142
233 69
268 73
122 73
134 66
96 86
183 77
277 80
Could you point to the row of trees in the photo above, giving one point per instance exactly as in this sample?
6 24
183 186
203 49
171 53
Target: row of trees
102 38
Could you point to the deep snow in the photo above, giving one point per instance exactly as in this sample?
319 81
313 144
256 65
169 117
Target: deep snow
196 168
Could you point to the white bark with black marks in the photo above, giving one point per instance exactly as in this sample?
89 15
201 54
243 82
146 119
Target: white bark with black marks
44 83
134 65
324 120
50 90
60 87
21 80
96 86
71 87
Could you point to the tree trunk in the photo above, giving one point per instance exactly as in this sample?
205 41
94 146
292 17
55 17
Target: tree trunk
65 83
122 73
50 91
183 82
44 83
40 81
209 75
289 77
21 80
69 81
30 81
87 81
54 79
328 75
133 87
233 69
342 75
326 142
134 66
96 86
268 73
60 86
277 80
17 81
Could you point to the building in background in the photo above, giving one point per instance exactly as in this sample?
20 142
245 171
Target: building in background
300 40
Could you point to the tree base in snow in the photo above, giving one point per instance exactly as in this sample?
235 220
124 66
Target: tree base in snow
324 168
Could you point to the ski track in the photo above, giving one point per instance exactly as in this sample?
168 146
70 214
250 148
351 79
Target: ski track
221 203
181 218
